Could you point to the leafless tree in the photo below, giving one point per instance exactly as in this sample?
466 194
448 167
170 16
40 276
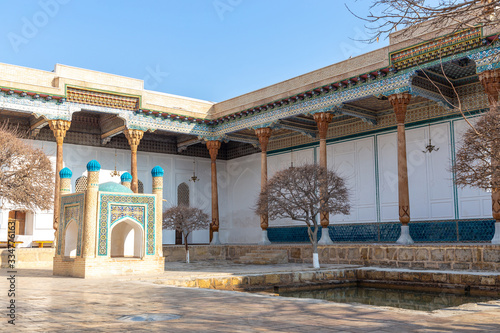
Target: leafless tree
26 176
294 193
477 158
386 16
185 219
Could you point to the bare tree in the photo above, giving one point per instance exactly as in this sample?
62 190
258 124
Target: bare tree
294 193
475 159
185 219
386 16
26 176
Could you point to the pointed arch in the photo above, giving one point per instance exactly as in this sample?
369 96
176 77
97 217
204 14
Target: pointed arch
81 184
127 239
70 239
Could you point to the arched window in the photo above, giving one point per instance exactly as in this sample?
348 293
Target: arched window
70 239
127 239
81 184
183 194
140 187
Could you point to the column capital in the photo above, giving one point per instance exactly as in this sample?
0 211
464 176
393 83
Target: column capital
263 134
400 103
59 127
491 83
323 119
134 137
213 148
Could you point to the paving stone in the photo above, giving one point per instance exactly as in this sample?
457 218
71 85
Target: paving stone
62 304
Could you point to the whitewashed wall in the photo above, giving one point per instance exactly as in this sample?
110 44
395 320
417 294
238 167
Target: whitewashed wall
472 203
284 161
429 174
364 162
355 162
177 169
242 182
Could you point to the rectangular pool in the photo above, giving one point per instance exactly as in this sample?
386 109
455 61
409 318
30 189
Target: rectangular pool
398 298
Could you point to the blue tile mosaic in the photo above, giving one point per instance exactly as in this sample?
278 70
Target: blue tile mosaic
426 231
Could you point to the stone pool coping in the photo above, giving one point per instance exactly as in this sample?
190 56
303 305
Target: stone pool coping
227 276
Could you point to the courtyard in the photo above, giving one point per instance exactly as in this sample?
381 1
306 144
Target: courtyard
48 303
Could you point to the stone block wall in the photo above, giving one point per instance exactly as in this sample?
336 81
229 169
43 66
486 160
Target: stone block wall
28 257
476 257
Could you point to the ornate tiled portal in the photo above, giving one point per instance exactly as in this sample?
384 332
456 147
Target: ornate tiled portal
108 229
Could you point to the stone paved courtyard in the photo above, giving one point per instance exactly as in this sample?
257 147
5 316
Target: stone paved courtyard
58 304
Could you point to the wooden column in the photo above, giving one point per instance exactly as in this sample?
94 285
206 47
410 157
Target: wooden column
491 83
323 120
263 134
134 138
59 128
213 148
400 103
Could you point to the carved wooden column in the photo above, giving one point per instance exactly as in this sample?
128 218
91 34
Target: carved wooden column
134 138
263 134
491 83
213 148
323 119
400 103
59 128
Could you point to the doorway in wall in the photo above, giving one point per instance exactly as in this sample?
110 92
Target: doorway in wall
182 199
17 219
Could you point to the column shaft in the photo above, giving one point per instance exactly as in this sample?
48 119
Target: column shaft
400 103
263 134
59 128
213 148
323 120
158 191
134 138
90 217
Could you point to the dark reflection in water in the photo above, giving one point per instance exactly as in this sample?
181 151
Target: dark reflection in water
406 299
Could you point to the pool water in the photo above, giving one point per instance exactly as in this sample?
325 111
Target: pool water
398 298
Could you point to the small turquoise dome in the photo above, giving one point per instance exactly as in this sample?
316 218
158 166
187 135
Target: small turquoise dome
114 187
93 166
157 171
126 178
65 173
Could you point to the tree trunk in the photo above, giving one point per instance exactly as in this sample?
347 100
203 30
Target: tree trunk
315 247
187 249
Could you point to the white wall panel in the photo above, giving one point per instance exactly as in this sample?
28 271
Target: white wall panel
283 161
243 176
388 176
429 177
354 161
472 202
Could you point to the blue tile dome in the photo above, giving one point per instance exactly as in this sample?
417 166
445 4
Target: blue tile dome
93 166
65 173
126 177
114 187
157 171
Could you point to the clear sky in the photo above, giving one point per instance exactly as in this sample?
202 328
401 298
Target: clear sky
207 49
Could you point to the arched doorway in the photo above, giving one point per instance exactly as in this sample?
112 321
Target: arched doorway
127 239
70 239
17 222
182 200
